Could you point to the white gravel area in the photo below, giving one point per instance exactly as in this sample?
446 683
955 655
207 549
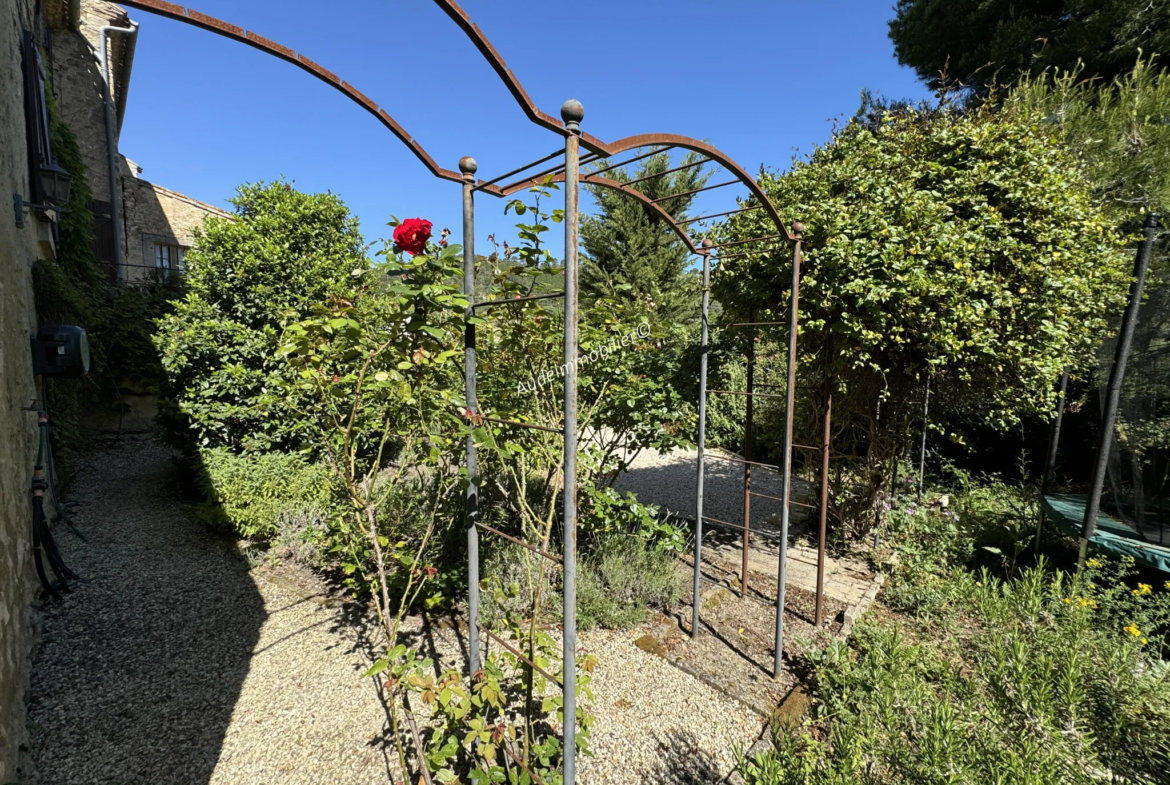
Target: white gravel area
176 663
669 480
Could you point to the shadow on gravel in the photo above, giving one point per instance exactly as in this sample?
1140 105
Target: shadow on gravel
683 761
140 668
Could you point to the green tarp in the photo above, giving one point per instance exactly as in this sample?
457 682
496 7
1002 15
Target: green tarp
1067 511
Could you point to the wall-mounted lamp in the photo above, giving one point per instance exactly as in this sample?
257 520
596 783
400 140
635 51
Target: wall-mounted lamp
55 183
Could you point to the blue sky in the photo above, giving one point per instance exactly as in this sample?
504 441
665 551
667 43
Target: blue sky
759 79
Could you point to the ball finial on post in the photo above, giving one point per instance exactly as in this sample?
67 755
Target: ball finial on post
468 166
707 244
797 229
572 113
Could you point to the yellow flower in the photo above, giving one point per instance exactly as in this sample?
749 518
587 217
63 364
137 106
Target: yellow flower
1133 630
1144 641
1143 589
1167 584
1093 562
1068 601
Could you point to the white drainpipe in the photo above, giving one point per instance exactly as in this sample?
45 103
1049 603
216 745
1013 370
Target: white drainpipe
111 140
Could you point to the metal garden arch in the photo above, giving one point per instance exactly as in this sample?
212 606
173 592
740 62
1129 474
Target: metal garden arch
567 171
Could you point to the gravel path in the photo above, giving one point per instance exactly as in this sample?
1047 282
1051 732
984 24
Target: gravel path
176 663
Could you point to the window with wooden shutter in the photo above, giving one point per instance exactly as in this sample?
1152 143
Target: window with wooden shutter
36 116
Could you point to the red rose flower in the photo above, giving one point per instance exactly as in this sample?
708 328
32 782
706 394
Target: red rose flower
411 235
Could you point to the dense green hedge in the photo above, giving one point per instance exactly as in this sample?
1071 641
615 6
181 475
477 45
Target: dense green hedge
247 277
254 494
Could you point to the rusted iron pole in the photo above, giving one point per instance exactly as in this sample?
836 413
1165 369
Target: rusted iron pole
786 476
468 167
696 596
747 455
823 529
572 113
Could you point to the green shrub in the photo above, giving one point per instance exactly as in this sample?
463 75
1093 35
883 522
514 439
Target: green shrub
622 578
955 246
247 277
1036 685
263 495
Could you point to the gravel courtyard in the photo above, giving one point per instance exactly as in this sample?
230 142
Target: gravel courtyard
178 663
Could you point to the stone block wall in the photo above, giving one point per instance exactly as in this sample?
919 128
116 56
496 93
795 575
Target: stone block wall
19 248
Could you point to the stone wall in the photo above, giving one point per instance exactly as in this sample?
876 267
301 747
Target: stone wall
19 248
153 215
78 86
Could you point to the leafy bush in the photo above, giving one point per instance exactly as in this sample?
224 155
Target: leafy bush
262 495
958 247
605 512
247 277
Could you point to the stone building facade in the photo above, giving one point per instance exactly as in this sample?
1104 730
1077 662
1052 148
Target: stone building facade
63 37
156 224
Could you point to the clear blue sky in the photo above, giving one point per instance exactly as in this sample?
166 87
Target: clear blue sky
760 79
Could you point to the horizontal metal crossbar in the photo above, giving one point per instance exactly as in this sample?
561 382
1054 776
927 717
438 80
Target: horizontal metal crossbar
723 523
506 175
747 253
526 425
532 178
751 324
700 162
513 300
745 242
807 447
754 394
778 499
520 542
694 191
630 161
507 646
720 215
741 460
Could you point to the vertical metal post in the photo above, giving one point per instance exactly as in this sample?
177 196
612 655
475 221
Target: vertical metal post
572 113
786 490
1050 458
468 167
747 452
925 423
824 522
1113 392
697 594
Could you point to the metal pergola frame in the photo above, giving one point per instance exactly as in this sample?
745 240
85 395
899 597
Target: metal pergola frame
567 171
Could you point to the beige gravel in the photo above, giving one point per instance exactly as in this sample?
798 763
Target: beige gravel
177 663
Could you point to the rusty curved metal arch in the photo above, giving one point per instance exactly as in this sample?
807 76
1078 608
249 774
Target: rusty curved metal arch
459 16
607 149
218 26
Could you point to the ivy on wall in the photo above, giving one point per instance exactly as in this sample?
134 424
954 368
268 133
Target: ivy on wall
73 289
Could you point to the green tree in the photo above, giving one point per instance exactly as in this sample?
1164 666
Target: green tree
631 254
247 277
974 40
1119 129
960 247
